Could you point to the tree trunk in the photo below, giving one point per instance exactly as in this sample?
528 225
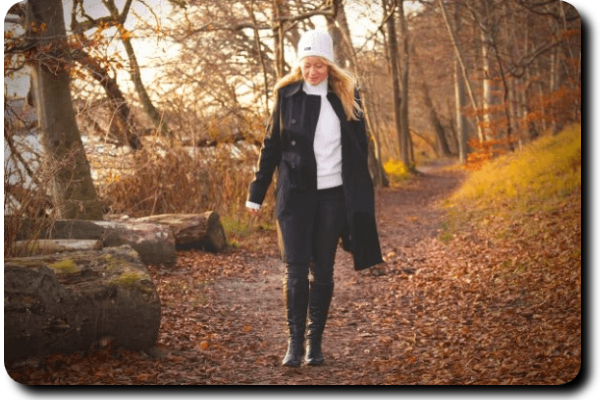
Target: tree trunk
342 23
375 127
527 124
72 187
463 69
278 34
461 102
259 52
407 149
487 96
154 243
337 26
554 81
433 116
342 49
199 231
78 302
505 97
397 99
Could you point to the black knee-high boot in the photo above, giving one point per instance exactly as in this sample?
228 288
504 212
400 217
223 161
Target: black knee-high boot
296 303
318 308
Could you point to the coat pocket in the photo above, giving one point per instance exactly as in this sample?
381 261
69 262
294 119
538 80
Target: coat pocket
295 173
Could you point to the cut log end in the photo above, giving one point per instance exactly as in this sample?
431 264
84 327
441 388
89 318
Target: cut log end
193 231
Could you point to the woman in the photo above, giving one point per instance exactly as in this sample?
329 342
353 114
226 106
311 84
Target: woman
316 137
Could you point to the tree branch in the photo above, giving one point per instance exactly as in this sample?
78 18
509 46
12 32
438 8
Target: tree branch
111 20
379 28
557 16
327 12
518 69
232 28
13 149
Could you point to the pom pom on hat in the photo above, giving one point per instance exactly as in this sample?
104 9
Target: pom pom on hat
316 43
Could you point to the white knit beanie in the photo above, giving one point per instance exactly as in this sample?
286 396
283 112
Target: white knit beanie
316 43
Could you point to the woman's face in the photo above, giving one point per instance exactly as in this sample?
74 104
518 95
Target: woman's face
314 70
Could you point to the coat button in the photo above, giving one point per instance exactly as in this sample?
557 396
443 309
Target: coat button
293 142
293 121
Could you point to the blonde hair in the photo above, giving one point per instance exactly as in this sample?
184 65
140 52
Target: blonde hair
342 83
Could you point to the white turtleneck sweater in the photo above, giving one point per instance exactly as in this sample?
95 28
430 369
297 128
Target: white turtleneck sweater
328 140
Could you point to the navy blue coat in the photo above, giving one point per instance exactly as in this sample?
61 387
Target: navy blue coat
288 146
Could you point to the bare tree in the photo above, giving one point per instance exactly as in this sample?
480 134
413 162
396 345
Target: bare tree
460 103
73 190
406 142
433 115
390 8
463 69
116 19
124 129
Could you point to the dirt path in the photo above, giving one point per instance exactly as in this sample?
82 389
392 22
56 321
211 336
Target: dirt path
353 337
462 311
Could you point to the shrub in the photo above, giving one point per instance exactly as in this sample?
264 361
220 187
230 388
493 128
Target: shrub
396 170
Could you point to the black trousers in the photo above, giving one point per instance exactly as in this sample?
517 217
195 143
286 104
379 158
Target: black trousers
327 227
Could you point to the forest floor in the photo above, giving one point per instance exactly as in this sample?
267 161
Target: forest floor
445 308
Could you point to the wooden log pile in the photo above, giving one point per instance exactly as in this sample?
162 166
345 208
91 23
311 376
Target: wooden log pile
154 243
87 285
155 238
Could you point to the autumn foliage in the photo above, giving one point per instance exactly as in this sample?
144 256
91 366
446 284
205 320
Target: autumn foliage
483 152
482 288
549 113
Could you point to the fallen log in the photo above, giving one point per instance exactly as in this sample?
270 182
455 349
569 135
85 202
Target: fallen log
49 246
71 302
154 243
199 231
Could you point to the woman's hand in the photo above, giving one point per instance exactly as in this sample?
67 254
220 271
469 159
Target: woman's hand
253 208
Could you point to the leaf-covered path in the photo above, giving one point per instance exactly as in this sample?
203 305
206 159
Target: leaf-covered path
247 339
435 313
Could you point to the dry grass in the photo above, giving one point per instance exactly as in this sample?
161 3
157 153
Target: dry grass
180 182
538 179
548 167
